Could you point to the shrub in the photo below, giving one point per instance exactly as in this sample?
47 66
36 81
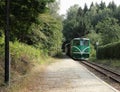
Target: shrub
22 57
109 51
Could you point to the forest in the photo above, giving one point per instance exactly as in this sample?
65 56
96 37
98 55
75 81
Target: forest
35 35
34 23
100 23
38 24
37 31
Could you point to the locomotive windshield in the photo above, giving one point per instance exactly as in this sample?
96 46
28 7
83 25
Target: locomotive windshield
84 42
81 42
76 42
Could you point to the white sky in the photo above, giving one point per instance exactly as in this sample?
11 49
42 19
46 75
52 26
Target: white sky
65 4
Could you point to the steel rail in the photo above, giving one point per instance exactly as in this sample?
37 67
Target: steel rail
109 73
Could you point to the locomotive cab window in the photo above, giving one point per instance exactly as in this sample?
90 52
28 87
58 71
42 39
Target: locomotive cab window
81 42
76 42
86 42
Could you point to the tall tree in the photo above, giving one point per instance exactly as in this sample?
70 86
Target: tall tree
117 14
80 12
112 6
46 34
92 4
23 14
110 30
102 5
70 22
85 8
54 10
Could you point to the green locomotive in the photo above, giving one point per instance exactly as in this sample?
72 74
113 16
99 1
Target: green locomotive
78 48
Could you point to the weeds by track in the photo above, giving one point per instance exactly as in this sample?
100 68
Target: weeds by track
109 73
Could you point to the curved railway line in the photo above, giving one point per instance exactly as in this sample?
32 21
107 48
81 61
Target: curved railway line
109 73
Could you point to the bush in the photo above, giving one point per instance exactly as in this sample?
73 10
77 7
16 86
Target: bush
109 51
92 52
23 57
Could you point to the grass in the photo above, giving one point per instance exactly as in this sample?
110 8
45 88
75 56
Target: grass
113 64
110 62
24 60
30 82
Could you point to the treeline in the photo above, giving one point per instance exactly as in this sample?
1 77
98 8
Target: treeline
35 36
34 22
99 22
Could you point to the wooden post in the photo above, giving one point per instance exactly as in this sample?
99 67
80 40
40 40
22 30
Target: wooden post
7 62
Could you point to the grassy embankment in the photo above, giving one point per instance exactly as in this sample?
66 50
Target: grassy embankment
25 60
113 64
110 63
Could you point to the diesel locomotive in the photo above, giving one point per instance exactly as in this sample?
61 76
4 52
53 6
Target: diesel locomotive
78 48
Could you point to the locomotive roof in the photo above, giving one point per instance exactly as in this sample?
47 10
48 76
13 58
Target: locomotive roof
80 38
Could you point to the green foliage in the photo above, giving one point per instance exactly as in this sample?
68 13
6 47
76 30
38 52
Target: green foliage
109 29
81 23
22 58
70 23
77 23
72 12
109 51
46 34
112 6
22 14
2 39
94 37
54 8
92 52
102 5
21 50
117 14
33 24
113 64
68 30
85 8
100 23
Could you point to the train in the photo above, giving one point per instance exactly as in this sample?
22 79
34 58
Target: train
78 48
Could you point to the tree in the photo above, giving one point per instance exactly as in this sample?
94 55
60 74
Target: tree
54 10
80 12
102 5
112 6
85 8
99 17
70 23
83 25
94 37
23 14
2 14
46 34
72 11
92 5
110 30
117 14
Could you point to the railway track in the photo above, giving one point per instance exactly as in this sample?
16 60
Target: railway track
109 73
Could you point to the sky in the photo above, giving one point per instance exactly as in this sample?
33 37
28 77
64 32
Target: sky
65 4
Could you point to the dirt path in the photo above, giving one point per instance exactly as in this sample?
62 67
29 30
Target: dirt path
66 76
